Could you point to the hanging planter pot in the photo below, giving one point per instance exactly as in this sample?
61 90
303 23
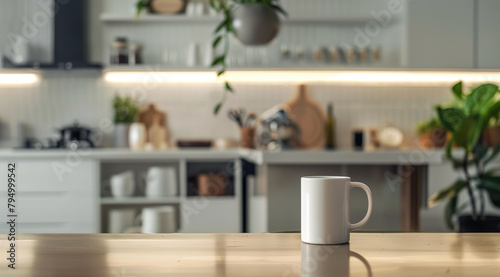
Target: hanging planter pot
255 23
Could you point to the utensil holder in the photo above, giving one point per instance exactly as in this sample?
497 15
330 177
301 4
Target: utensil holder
247 137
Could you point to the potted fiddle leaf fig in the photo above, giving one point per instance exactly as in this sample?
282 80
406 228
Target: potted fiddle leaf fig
252 22
465 120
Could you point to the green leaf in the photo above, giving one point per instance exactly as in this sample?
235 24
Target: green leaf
279 9
216 41
218 60
492 155
217 108
449 212
492 185
213 4
449 192
220 72
228 87
140 5
450 118
220 26
491 112
468 133
478 99
480 152
449 146
457 90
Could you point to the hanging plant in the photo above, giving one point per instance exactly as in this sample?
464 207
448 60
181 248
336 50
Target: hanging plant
253 22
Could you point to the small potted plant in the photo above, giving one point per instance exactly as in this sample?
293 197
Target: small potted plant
431 133
126 110
466 120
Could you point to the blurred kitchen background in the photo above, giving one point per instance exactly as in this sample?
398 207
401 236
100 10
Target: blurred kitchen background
361 75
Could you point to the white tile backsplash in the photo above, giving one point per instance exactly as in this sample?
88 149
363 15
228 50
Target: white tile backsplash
63 97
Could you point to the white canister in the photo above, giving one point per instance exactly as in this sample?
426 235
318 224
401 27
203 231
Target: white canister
123 184
161 181
159 220
120 220
137 136
192 57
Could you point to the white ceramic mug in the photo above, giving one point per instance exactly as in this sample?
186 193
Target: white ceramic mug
159 220
120 220
328 260
161 181
123 184
325 209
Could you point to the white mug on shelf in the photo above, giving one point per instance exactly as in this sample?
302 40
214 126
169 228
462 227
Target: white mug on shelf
122 184
120 220
137 136
159 220
325 204
161 181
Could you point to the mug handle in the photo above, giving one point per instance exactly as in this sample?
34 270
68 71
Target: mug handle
363 260
369 212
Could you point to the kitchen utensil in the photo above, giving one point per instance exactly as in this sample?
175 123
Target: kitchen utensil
325 204
137 136
148 115
159 220
211 184
237 115
120 220
157 134
310 118
194 143
75 137
250 120
161 182
122 184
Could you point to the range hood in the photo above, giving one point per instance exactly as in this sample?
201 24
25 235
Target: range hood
70 37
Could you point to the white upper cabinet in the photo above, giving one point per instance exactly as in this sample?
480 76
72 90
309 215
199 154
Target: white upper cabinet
440 34
488 36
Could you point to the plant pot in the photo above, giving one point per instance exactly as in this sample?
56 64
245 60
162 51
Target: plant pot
490 224
120 135
433 139
255 24
491 136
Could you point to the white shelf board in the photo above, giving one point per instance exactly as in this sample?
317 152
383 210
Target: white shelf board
180 18
140 200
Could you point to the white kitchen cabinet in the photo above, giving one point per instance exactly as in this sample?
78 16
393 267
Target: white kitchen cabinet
488 36
53 196
440 34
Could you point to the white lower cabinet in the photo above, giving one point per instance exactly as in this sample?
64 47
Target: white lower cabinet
53 196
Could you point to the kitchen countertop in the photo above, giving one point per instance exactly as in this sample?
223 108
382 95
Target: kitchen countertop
368 254
410 156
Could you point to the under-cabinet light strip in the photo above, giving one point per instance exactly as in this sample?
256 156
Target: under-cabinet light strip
308 76
18 78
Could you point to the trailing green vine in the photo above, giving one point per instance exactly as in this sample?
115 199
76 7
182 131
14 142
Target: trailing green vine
222 32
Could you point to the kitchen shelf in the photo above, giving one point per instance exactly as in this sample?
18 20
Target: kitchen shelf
139 200
127 18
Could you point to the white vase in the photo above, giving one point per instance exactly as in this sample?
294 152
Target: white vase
137 136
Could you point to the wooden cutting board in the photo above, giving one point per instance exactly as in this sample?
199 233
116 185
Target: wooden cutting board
310 118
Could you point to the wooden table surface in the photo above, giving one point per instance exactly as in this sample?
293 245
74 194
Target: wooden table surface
368 254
